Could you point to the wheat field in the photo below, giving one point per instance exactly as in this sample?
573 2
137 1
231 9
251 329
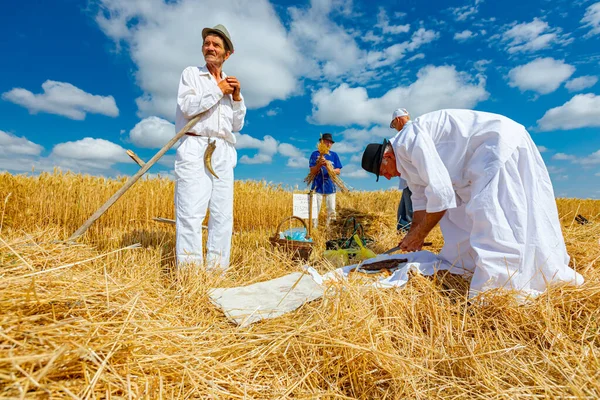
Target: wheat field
107 318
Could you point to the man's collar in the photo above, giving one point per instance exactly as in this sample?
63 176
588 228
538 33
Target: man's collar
204 71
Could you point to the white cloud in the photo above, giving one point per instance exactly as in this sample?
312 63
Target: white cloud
591 19
343 147
354 171
289 150
356 158
542 149
418 56
583 110
297 162
17 153
330 49
465 12
580 83
11 145
563 157
258 158
267 148
435 88
64 99
591 159
481 65
88 155
383 23
532 36
152 132
464 35
163 37
542 75
273 112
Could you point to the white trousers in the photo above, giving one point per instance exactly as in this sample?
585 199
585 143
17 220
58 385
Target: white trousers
508 233
196 190
329 204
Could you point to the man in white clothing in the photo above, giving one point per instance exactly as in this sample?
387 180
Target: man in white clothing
482 178
208 91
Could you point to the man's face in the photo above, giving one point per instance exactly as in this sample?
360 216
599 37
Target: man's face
399 123
327 142
213 50
388 166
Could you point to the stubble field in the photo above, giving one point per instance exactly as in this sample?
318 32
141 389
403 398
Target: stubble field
108 319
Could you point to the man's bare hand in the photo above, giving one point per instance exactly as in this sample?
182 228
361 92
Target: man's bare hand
321 162
412 242
236 87
226 87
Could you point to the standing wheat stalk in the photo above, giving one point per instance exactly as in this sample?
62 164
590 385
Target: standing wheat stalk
337 181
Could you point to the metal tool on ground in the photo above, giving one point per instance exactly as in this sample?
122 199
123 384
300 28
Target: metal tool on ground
377 267
398 248
146 166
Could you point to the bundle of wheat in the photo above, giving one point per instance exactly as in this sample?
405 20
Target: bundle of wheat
335 178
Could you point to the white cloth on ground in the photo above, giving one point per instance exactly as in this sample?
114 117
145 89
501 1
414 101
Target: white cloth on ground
501 221
424 262
248 304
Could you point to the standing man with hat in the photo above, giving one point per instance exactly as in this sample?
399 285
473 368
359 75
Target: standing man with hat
483 179
323 185
204 181
404 216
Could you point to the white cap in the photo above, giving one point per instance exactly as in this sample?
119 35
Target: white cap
400 112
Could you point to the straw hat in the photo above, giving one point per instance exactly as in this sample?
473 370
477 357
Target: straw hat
222 32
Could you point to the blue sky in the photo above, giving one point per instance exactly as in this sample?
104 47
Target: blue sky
82 81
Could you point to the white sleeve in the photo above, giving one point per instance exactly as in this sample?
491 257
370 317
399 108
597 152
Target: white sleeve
420 164
193 99
239 114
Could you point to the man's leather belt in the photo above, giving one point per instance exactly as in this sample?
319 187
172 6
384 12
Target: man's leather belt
192 134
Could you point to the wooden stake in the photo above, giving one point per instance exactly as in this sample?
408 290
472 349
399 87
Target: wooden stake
134 179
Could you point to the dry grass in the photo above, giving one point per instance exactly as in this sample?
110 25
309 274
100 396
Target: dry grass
102 320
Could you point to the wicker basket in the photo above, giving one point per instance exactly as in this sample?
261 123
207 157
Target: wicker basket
300 250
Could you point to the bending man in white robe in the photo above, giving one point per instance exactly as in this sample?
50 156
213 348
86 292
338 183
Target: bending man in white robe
482 178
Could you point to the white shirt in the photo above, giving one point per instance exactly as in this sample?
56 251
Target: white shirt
199 92
442 153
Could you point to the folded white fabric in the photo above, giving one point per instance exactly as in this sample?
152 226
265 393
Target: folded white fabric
248 304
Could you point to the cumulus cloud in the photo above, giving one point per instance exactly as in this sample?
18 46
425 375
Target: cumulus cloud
152 132
464 35
64 99
542 75
267 148
532 36
580 83
582 111
563 157
11 145
435 88
591 19
542 149
163 37
330 49
354 171
18 153
88 155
